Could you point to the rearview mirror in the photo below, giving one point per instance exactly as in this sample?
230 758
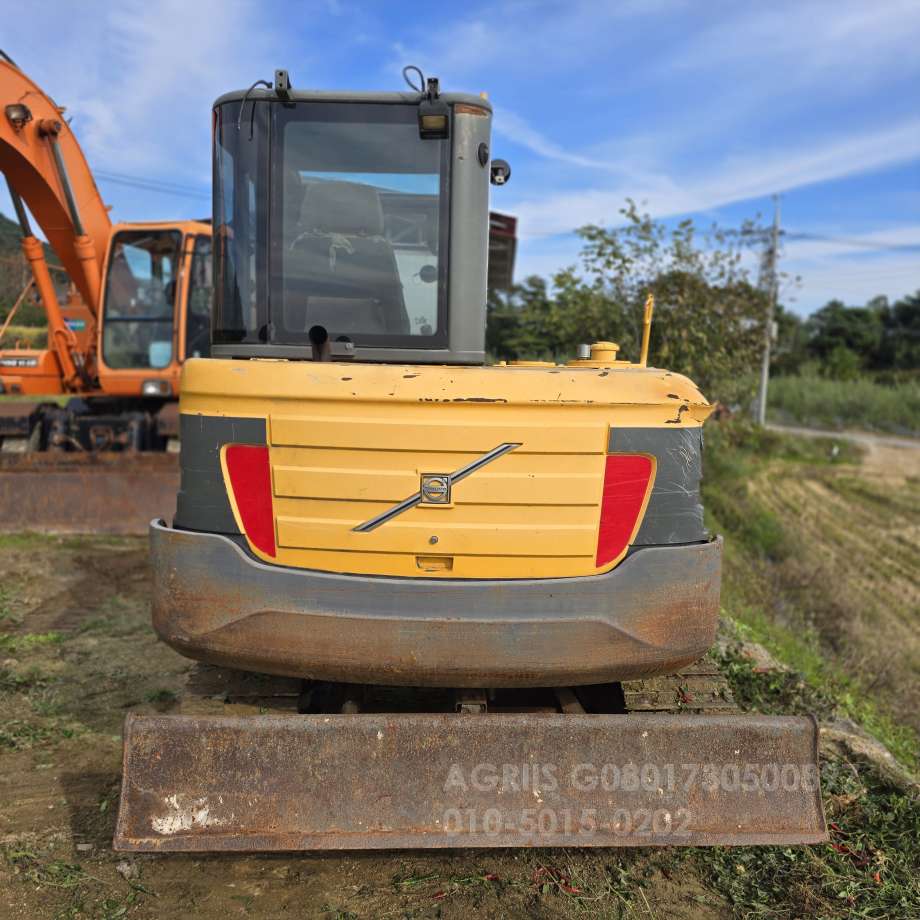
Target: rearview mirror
501 172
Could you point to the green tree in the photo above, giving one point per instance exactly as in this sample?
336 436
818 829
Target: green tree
790 351
709 317
835 325
900 347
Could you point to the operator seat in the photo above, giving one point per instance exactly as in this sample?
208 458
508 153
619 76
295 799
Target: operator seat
340 271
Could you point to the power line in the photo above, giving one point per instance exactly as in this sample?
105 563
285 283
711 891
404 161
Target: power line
863 244
160 186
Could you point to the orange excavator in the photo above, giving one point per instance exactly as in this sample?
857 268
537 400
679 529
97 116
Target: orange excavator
139 306
143 289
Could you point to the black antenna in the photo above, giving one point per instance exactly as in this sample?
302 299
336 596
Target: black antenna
411 68
239 118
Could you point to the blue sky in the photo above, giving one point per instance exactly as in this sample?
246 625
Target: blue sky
699 108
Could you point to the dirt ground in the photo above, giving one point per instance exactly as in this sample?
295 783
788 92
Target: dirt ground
77 652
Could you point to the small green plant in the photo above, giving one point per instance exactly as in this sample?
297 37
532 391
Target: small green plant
14 644
869 868
19 734
162 697
5 608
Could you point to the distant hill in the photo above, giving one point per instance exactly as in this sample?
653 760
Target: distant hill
9 236
14 274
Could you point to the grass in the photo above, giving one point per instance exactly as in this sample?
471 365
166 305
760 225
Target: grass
87 894
861 403
7 614
735 453
33 540
761 595
16 644
31 714
867 870
162 697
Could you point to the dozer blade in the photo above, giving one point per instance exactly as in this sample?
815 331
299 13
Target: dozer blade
316 782
118 493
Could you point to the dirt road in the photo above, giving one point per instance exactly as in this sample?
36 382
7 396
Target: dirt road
886 455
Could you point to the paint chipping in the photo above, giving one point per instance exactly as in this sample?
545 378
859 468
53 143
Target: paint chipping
184 816
676 419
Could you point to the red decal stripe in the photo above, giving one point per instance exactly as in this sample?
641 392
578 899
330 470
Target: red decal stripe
626 478
251 480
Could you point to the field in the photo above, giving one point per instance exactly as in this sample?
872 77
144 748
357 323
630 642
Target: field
862 403
24 336
821 571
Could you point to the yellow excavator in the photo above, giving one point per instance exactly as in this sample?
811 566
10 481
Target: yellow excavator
481 593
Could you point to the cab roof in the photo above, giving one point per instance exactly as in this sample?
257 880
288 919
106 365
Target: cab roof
307 95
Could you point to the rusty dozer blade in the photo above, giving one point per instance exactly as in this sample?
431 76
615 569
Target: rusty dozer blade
312 782
117 493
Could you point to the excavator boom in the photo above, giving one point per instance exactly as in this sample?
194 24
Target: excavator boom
45 167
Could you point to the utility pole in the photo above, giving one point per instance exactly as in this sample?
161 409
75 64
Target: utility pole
771 276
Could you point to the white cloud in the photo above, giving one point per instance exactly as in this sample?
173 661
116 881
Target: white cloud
530 40
731 180
854 267
514 128
841 44
138 78
853 281
840 244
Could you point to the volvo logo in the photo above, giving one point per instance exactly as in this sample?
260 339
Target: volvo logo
435 489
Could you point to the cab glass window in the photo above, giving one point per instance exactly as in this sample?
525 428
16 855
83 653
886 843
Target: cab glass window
140 299
200 293
330 214
358 236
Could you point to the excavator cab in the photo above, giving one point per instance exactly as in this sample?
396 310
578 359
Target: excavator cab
342 217
490 587
156 294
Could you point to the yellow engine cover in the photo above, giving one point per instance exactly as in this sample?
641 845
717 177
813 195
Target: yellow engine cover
348 441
